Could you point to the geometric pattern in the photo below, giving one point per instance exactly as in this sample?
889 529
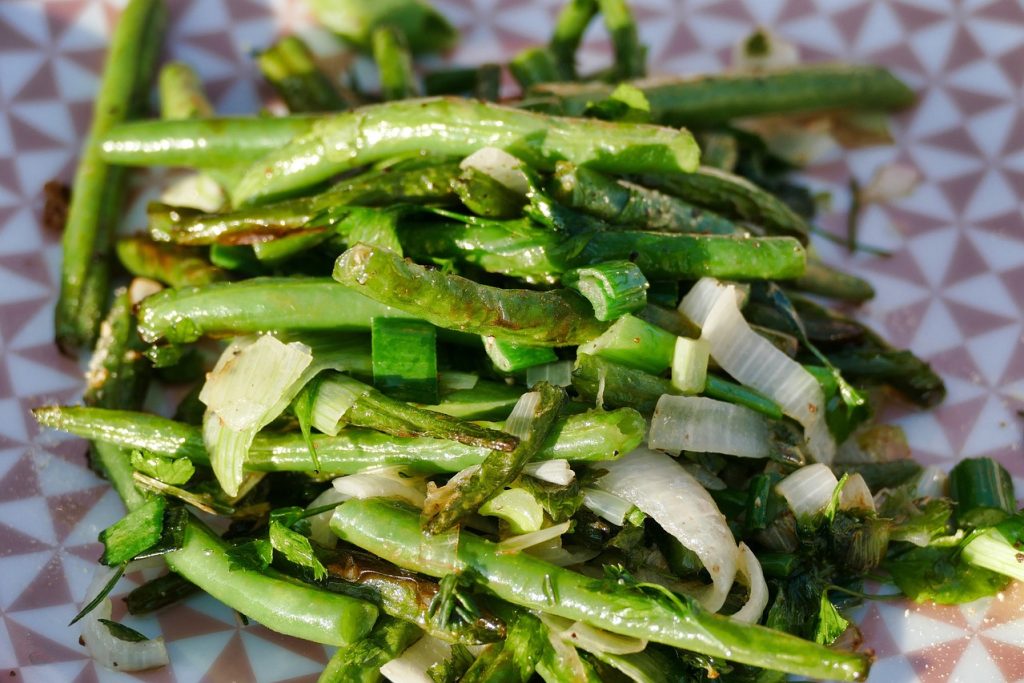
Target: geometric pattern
953 289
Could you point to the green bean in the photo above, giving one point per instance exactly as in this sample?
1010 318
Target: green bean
459 127
625 203
289 67
900 369
374 410
281 604
590 436
533 66
98 195
181 93
200 143
552 318
405 595
256 305
709 100
733 197
498 469
828 281
630 55
570 26
391 52
431 183
537 255
392 531
170 264
361 661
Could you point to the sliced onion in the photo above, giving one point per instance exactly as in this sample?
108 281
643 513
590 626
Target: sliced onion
107 649
661 488
411 666
753 361
856 495
320 525
252 382
701 298
749 572
380 485
557 374
552 471
931 483
701 424
520 420
515 544
499 165
607 506
808 490
891 182
197 191
593 639
142 287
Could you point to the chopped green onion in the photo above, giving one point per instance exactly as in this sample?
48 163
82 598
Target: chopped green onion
512 357
137 531
634 342
983 491
405 359
613 288
690 365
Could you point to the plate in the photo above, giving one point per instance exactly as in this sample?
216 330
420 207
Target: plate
953 289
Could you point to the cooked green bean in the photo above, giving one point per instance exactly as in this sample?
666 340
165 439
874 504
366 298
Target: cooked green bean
460 127
708 100
96 202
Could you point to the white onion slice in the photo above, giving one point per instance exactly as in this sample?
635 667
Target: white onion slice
932 482
107 649
701 424
660 487
411 666
856 495
593 639
499 165
749 572
515 544
520 420
808 490
320 525
380 485
552 471
753 361
557 374
607 506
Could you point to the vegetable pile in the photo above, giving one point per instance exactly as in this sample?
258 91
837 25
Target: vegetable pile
476 391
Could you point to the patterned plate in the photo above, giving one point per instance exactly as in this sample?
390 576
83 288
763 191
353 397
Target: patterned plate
953 290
